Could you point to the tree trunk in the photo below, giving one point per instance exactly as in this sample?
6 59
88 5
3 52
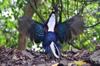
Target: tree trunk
22 41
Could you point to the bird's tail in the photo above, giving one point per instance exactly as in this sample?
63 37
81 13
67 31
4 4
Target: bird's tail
55 50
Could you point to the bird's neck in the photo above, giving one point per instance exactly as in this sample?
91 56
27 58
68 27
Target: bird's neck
51 24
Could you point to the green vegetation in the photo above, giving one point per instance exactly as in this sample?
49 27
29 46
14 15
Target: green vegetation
11 10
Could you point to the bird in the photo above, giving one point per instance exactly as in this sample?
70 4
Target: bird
53 33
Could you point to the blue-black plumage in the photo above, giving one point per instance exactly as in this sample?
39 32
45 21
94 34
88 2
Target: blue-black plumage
53 33
51 44
47 37
36 32
63 32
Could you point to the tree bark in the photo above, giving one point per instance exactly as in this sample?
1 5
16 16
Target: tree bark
24 23
22 41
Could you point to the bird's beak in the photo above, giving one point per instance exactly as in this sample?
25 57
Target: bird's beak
55 50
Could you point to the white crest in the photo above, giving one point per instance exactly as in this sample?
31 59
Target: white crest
51 23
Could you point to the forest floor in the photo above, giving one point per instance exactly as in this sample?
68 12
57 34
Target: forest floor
14 57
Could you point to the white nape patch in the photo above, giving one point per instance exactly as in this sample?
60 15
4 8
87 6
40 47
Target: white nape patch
53 49
51 23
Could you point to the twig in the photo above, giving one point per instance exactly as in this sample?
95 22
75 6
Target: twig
82 8
61 11
93 25
53 3
68 8
41 17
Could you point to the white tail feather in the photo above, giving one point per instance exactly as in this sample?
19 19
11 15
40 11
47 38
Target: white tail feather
53 47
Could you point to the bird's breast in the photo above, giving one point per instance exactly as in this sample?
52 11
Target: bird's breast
50 36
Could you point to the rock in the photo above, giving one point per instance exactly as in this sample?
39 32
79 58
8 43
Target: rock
95 57
25 53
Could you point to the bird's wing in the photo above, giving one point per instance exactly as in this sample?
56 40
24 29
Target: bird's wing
70 28
36 32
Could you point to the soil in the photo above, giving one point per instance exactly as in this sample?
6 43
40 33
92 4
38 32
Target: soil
14 57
